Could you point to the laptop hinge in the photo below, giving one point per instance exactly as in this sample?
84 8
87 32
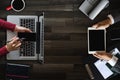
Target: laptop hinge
38 40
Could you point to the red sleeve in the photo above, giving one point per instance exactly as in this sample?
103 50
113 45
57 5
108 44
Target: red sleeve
7 25
3 51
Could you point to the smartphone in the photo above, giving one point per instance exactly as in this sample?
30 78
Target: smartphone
27 36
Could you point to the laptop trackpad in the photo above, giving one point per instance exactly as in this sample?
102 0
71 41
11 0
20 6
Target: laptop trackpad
27 36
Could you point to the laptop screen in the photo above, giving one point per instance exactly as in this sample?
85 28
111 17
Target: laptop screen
96 40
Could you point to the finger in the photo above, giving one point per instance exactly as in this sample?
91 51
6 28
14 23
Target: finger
23 29
27 30
13 45
97 56
17 42
18 45
94 55
102 27
95 26
14 40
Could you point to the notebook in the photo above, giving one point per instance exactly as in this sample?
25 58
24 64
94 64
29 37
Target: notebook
29 50
92 8
96 40
17 72
104 70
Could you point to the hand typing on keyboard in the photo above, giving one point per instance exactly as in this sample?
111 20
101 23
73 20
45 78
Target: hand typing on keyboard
14 44
21 29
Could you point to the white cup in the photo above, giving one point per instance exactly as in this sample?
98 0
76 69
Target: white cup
17 5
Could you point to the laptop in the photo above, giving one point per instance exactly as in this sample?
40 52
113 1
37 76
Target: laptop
92 8
29 50
96 40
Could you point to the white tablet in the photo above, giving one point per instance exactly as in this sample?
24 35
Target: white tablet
96 40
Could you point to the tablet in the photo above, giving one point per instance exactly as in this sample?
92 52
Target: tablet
96 40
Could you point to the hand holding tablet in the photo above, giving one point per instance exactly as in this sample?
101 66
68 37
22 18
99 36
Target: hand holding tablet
96 40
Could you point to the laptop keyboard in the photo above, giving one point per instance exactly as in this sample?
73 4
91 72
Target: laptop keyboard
28 23
28 48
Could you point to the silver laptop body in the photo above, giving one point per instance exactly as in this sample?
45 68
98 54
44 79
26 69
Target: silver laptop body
92 8
28 49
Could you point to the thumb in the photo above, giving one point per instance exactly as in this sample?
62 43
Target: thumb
95 26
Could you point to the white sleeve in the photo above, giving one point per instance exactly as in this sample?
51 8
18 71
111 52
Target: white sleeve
111 18
113 61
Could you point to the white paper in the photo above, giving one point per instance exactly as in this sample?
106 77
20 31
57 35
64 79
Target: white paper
103 69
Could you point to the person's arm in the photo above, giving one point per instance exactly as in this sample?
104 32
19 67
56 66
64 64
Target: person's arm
14 44
7 25
112 18
112 60
3 51
116 15
13 27
103 24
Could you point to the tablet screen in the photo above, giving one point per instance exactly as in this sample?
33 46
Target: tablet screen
96 40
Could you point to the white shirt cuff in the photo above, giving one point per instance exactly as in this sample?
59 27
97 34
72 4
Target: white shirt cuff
111 18
113 61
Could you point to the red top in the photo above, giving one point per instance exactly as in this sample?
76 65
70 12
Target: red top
9 26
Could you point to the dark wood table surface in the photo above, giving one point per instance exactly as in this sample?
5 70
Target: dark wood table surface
65 38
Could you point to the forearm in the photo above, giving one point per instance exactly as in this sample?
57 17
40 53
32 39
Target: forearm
3 51
7 25
116 15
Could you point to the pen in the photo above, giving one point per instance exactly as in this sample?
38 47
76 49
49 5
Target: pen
21 39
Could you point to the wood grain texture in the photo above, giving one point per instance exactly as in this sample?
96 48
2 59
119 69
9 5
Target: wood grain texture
65 39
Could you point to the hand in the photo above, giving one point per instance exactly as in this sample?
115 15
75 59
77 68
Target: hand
21 29
103 55
103 24
14 44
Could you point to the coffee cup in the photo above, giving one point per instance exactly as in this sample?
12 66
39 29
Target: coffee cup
17 5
